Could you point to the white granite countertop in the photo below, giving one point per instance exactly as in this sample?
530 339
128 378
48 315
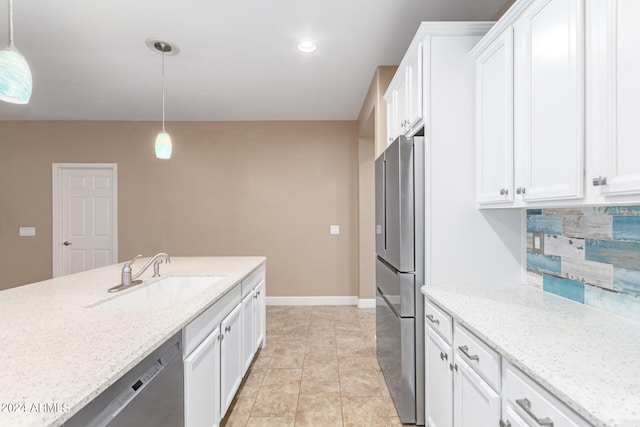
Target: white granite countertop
58 354
587 358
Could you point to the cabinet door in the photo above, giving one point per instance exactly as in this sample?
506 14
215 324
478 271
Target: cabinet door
392 132
494 121
259 315
202 384
475 403
230 358
248 333
414 88
438 381
616 117
401 105
548 107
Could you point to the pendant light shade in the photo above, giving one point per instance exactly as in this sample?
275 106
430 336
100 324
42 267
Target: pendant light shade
163 145
163 140
15 75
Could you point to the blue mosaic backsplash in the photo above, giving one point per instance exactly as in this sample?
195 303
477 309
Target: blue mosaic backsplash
590 255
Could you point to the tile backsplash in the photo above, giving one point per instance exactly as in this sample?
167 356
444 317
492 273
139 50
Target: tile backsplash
590 255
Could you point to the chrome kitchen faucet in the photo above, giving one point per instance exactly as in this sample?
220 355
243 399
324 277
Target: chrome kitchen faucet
127 280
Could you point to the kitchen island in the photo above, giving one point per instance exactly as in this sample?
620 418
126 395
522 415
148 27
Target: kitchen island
585 357
62 347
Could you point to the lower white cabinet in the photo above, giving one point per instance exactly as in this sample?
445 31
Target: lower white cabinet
218 347
527 403
202 393
248 326
439 385
475 403
259 316
230 358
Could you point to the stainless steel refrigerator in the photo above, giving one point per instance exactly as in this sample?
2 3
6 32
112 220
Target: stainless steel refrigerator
400 240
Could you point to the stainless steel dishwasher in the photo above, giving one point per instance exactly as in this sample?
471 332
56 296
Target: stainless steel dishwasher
150 394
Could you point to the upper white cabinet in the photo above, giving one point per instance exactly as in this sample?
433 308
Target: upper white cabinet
494 124
548 100
575 98
614 88
530 106
404 95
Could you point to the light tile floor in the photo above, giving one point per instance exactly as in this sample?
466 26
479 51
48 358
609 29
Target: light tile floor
319 369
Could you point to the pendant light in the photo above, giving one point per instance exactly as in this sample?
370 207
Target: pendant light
163 140
15 75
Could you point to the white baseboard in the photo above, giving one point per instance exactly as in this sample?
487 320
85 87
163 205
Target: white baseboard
312 300
367 303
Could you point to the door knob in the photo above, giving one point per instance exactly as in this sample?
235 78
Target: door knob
66 243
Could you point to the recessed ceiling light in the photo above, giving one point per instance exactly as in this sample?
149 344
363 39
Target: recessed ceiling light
307 46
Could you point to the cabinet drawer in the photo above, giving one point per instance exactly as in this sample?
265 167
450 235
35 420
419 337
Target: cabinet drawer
196 331
482 358
252 280
535 404
438 320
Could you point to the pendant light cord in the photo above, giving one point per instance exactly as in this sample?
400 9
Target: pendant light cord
10 22
163 91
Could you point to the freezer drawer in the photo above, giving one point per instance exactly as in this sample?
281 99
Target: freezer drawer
395 347
398 288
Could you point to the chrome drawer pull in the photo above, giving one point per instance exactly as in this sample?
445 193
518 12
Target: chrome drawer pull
443 356
432 320
505 423
465 350
526 406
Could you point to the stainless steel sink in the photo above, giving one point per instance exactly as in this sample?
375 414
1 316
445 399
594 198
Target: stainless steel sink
164 292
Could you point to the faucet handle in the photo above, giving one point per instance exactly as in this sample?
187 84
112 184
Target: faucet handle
128 263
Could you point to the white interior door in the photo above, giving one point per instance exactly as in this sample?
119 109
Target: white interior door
84 217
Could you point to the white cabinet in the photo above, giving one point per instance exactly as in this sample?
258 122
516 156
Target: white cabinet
259 316
218 347
476 381
438 380
614 101
230 358
524 399
202 383
549 100
546 114
248 327
404 96
494 123
475 403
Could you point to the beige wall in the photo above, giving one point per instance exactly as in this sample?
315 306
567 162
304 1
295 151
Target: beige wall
503 9
233 188
372 130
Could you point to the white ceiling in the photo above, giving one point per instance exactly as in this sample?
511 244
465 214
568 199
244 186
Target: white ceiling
238 59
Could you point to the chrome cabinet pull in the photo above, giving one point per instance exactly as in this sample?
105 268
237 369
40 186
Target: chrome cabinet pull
504 191
227 328
521 190
505 423
432 319
526 406
465 350
453 367
443 356
599 180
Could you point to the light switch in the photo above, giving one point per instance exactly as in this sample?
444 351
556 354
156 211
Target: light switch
27 231
538 242
334 229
